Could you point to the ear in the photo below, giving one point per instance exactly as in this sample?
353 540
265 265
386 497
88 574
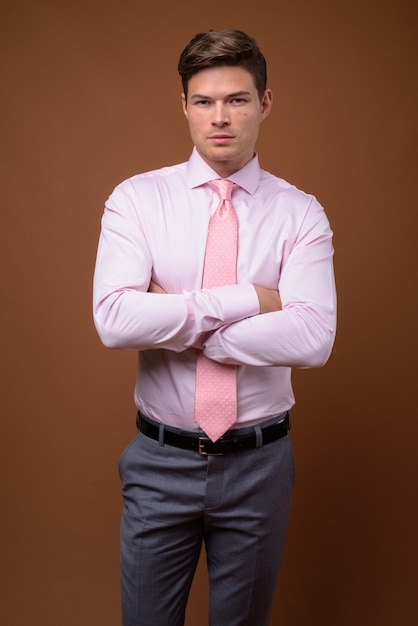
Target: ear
184 105
266 103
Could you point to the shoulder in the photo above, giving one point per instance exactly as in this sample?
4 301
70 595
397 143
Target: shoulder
153 180
279 185
285 193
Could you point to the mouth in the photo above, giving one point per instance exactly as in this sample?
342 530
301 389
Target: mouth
221 138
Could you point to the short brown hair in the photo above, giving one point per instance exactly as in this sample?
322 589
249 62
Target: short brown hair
223 47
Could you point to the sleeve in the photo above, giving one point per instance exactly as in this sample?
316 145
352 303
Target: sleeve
302 333
126 316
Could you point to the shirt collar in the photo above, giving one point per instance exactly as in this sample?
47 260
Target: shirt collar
199 173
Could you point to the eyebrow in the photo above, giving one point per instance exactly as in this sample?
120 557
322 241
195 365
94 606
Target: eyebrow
201 96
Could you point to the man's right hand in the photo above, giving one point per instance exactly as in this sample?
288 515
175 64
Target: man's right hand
269 299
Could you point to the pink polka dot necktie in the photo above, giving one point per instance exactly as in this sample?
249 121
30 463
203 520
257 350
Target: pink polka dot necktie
216 383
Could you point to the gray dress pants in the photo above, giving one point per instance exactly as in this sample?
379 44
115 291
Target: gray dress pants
173 500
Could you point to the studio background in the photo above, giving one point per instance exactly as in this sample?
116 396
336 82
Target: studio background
91 96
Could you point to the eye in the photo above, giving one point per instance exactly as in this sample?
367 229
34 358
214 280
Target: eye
238 100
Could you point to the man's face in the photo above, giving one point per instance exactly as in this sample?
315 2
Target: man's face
224 112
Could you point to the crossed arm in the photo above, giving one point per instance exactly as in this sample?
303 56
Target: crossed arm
244 324
269 299
301 336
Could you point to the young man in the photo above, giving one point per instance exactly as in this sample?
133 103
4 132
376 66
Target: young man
220 473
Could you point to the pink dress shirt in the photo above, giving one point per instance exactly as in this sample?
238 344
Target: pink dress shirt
155 227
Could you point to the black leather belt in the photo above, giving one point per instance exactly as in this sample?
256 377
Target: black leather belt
232 441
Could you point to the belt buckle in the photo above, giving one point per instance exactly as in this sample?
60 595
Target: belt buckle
202 451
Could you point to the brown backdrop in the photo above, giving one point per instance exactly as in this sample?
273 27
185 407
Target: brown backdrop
90 96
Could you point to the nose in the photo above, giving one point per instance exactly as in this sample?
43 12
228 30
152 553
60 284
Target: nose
220 115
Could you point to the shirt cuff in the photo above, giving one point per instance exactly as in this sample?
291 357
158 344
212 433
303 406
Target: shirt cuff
238 301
